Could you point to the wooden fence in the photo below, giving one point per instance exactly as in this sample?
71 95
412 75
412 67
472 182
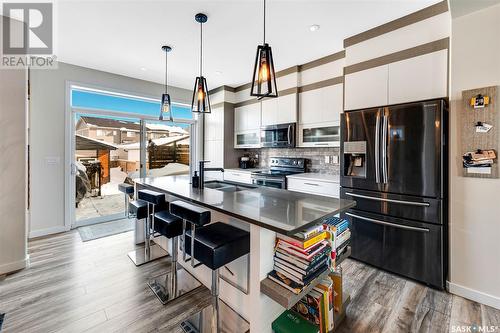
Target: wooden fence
159 156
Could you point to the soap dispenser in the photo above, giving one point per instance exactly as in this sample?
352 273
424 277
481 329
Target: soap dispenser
196 180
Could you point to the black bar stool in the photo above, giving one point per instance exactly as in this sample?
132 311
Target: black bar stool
139 210
155 202
196 216
178 281
216 245
128 191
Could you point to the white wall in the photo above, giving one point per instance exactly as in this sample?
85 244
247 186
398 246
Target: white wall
13 171
47 140
475 203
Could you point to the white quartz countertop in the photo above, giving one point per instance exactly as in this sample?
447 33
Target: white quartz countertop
320 177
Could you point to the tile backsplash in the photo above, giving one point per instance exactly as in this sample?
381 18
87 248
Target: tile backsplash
316 157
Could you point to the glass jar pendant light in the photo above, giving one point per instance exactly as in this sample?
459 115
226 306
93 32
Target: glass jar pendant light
166 105
201 101
264 77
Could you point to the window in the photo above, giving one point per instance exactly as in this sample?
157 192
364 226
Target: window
130 134
99 132
95 99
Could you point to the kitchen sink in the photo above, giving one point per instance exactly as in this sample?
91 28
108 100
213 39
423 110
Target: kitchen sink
227 187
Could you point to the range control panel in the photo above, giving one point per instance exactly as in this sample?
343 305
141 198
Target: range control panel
287 162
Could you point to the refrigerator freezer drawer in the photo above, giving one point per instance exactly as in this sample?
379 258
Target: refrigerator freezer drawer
396 205
411 249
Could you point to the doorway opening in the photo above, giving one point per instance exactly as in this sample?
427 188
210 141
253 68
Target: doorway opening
116 138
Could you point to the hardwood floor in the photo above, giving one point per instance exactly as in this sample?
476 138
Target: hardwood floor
73 286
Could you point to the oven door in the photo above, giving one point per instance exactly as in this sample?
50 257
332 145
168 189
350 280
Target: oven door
278 136
269 181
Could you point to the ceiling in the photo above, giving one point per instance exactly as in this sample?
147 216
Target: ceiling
125 37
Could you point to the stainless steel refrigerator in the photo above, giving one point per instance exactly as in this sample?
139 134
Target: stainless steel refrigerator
394 165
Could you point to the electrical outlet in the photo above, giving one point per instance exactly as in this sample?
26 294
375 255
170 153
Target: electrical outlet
335 159
327 159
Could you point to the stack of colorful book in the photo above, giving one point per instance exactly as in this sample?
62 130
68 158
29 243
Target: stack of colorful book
340 235
298 262
318 306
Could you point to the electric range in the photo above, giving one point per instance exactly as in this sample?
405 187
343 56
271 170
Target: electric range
279 168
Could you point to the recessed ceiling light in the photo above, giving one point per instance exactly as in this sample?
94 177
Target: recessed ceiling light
144 69
314 27
218 72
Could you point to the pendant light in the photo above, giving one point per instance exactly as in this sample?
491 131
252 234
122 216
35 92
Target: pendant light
201 101
166 105
264 77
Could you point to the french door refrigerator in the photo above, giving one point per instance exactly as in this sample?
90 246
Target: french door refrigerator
394 165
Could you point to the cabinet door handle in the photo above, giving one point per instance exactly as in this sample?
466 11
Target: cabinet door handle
321 144
312 184
400 226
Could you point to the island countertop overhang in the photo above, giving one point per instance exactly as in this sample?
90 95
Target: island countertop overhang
282 211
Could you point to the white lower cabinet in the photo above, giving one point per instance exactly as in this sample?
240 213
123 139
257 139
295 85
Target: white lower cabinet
238 176
327 189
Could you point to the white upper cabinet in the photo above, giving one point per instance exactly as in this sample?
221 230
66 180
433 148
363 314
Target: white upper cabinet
247 117
414 79
270 111
419 78
321 105
366 88
280 110
287 109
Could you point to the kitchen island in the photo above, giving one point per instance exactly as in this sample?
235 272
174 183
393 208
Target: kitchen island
263 212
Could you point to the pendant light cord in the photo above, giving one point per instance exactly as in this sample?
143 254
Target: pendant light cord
264 22
201 49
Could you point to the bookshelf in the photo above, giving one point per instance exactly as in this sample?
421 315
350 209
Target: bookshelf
285 297
338 318
343 256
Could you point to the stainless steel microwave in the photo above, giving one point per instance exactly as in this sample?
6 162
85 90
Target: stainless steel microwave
278 136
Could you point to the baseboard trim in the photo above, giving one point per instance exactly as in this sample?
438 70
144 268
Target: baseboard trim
474 295
48 231
14 266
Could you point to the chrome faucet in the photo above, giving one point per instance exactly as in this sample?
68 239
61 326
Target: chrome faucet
202 170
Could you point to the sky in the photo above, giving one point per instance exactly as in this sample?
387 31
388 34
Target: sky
89 99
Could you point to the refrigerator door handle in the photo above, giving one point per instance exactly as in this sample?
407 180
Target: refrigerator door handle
384 149
377 149
400 226
402 202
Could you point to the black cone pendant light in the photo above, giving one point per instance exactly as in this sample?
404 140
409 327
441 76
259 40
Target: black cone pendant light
201 100
166 106
264 78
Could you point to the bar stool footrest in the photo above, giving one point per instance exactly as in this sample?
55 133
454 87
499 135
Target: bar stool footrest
229 321
167 290
140 257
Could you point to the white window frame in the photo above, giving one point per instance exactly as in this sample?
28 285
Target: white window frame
69 180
